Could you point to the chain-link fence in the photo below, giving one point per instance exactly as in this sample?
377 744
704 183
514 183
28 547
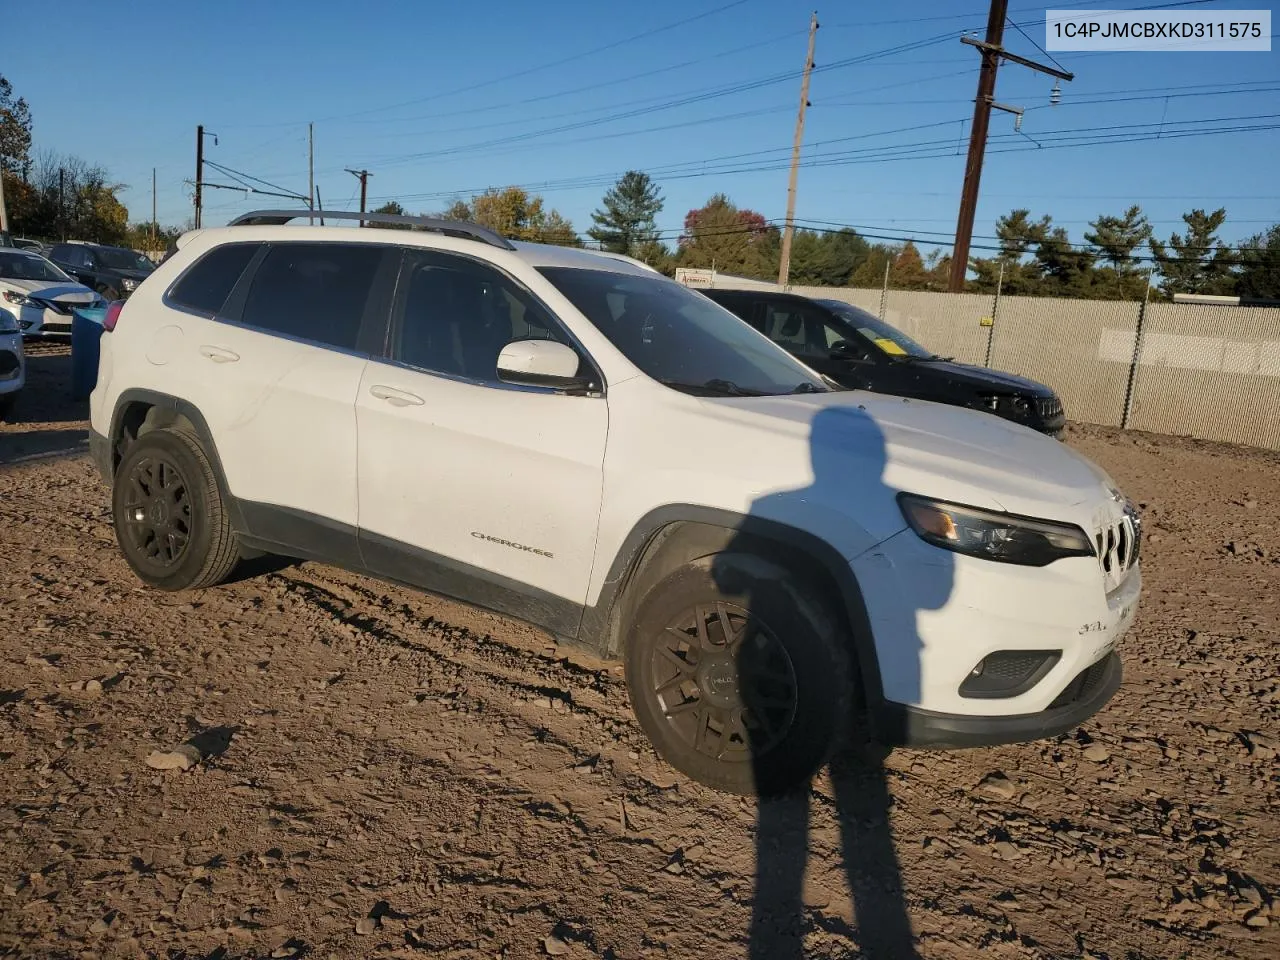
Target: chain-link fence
1205 371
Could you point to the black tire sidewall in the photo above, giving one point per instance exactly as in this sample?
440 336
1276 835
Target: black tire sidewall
800 621
198 483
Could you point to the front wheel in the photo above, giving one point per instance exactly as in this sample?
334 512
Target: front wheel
739 675
169 517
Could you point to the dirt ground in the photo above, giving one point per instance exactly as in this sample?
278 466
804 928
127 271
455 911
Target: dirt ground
390 774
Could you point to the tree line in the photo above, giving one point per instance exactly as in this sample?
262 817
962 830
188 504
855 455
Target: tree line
50 196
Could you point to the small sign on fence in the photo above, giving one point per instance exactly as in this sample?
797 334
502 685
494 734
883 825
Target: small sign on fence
987 322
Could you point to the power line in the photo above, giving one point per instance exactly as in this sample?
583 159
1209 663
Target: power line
890 153
613 45
701 97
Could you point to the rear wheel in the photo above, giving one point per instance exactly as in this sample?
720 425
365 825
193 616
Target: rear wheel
739 675
169 517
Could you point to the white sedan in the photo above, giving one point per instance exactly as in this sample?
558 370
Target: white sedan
39 294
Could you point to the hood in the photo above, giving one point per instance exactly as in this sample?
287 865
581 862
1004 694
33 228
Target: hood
983 379
930 449
67 291
131 272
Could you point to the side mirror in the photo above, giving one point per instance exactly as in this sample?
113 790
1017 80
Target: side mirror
540 363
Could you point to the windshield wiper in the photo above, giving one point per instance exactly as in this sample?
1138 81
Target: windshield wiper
808 387
932 358
715 387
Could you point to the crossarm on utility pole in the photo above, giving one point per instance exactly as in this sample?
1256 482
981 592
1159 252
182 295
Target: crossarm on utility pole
992 53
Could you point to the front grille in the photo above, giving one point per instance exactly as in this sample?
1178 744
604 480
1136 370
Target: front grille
1084 684
56 306
1119 544
1049 408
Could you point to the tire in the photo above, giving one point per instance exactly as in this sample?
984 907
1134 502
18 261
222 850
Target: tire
726 708
170 521
7 401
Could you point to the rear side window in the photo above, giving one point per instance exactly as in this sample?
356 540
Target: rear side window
206 286
313 291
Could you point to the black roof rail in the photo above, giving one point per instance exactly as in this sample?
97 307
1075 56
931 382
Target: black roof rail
452 228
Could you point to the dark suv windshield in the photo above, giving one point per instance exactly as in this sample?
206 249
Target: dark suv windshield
679 337
889 339
28 266
118 258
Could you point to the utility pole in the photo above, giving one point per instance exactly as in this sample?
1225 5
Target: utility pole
784 261
153 208
4 215
992 54
363 176
62 217
311 170
199 169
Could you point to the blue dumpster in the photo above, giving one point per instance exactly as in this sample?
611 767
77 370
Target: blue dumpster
86 331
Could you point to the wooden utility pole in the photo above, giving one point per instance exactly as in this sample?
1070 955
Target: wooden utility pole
363 176
153 208
311 169
199 169
4 216
784 261
992 54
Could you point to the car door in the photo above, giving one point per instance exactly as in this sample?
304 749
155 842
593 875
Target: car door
469 486
808 333
71 258
274 371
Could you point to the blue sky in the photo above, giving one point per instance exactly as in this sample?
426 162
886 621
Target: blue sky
418 91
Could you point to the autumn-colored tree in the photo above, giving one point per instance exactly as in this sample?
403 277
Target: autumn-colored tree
515 213
907 271
732 240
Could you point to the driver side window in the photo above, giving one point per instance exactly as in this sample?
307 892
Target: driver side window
457 314
799 329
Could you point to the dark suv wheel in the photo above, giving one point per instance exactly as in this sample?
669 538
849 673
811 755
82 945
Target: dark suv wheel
168 513
739 675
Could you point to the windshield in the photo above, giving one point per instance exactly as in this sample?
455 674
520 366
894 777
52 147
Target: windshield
28 266
679 337
888 339
117 258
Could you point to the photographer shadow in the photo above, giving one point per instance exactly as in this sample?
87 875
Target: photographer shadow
849 458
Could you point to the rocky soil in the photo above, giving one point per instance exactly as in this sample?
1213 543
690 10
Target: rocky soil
306 762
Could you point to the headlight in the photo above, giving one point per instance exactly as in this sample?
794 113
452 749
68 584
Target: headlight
16 298
1005 403
128 283
993 536
8 322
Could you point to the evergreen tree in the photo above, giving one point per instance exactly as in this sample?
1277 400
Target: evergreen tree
1116 239
1259 257
629 215
1196 261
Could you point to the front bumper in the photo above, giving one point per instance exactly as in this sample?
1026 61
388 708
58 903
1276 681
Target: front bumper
912 727
100 451
936 615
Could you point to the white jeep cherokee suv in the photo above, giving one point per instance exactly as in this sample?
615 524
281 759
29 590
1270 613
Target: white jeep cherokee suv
571 439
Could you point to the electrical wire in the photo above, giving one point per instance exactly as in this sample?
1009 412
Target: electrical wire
504 78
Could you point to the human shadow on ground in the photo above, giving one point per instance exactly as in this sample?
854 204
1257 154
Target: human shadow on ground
849 458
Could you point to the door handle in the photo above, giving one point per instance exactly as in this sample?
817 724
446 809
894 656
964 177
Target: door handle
218 354
397 398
